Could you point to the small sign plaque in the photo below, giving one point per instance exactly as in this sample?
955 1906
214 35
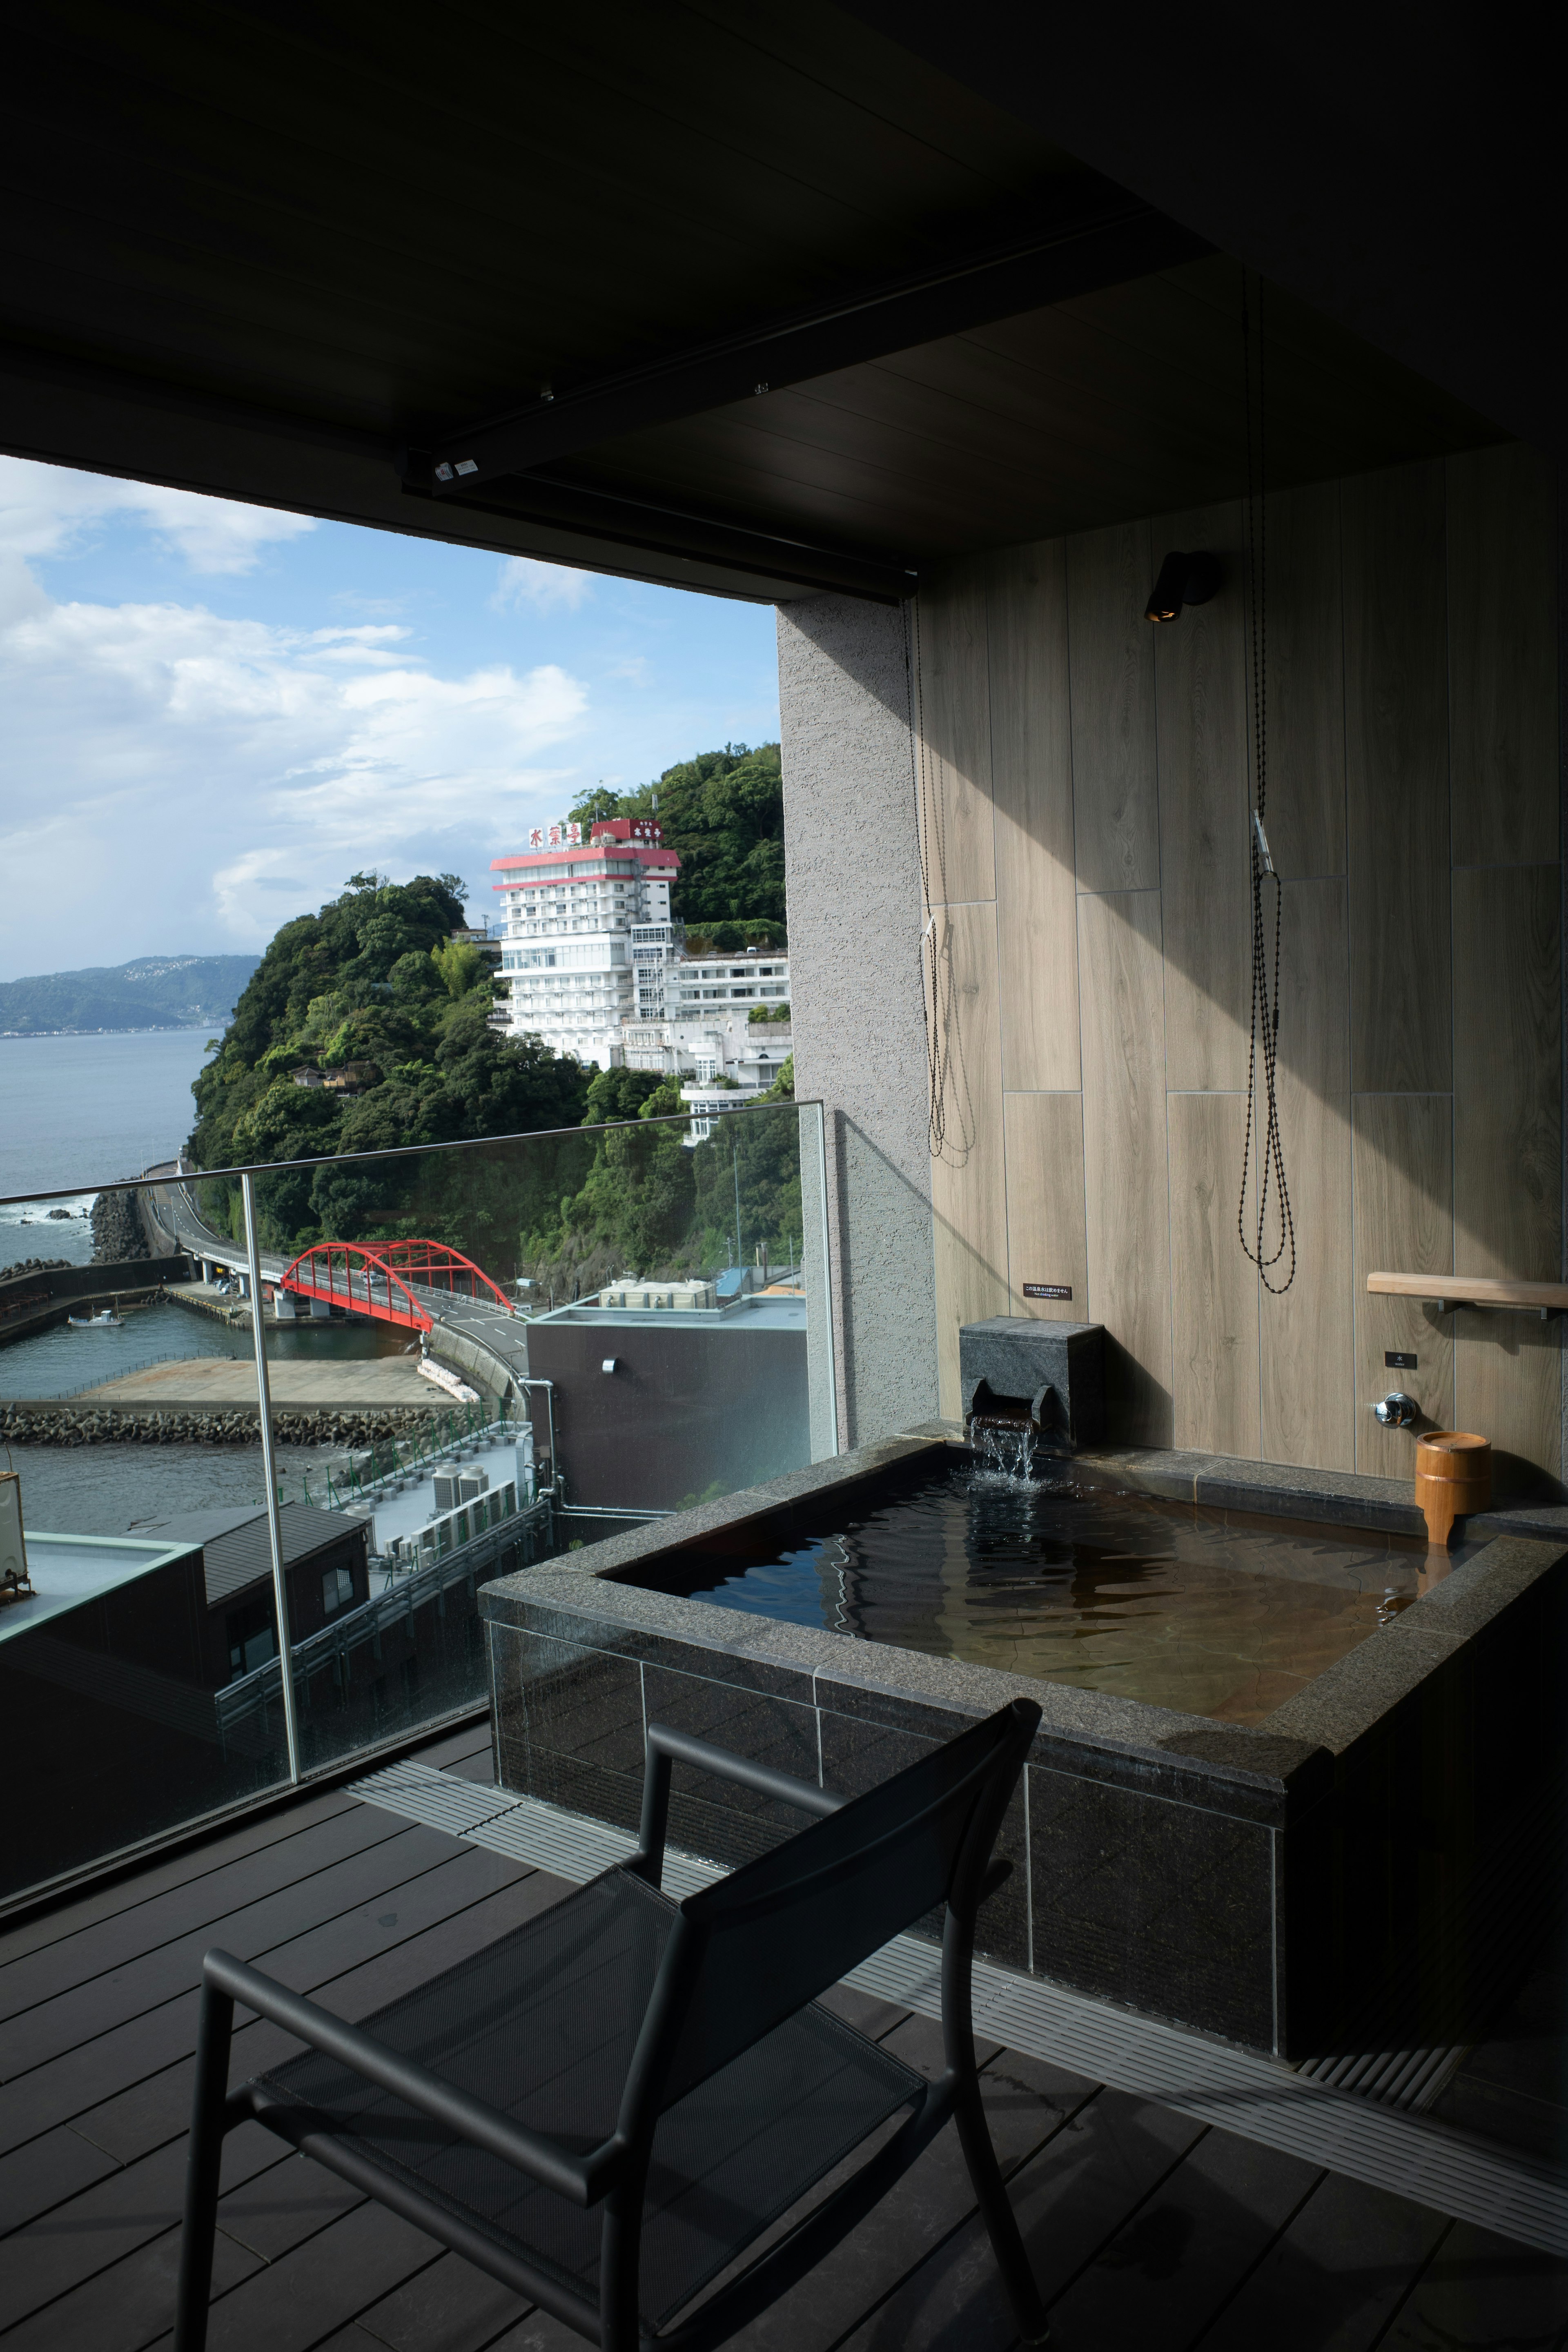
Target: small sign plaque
1399 1360
1048 1290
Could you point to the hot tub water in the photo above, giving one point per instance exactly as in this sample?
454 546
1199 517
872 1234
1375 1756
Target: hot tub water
1041 1573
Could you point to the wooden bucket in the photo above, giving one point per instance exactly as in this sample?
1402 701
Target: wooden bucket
1453 1478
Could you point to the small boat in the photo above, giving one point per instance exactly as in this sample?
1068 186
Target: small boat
106 1320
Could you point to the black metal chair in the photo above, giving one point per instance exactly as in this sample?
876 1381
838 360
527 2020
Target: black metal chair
606 2107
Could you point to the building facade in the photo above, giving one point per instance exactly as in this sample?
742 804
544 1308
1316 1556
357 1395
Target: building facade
707 1027
575 910
702 985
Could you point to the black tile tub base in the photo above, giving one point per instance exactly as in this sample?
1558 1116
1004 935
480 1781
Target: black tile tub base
1362 1855
1104 1868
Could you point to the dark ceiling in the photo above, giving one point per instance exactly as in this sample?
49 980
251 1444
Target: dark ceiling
1400 169
759 304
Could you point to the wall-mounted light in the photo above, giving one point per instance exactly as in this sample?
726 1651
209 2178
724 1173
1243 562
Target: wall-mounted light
1183 580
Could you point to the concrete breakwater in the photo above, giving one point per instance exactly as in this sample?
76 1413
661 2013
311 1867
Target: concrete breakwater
26 1423
33 1301
22 1265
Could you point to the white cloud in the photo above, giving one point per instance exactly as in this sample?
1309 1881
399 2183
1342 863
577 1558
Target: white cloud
212 534
523 580
239 770
237 887
179 780
369 646
45 509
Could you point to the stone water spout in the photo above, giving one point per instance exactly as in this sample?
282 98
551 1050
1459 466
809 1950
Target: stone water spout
1026 1382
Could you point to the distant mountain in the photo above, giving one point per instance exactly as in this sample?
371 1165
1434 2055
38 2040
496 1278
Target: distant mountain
153 992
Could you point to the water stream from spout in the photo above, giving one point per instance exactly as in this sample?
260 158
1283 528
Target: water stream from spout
1004 1445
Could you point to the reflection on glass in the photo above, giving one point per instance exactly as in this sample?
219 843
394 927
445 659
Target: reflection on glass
111 1673
649 1296
480 1357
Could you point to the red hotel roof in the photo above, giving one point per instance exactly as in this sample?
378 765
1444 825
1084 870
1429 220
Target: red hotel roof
657 860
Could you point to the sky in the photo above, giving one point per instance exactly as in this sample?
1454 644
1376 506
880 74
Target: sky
214 714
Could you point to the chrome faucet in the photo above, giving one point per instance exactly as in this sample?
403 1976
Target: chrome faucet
1397 1411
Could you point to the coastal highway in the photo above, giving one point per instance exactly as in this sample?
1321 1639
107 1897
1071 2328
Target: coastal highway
473 1334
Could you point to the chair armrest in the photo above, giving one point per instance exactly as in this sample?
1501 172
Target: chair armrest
582 2181
666 1747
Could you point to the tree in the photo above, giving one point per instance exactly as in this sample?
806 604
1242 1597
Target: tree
724 814
756 1153
374 980
618 1093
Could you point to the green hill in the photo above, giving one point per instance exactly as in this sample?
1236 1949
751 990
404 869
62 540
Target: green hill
373 993
723 813
152 993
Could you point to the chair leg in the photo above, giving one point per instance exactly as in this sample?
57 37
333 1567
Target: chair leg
620 2248
986 2175
202 2169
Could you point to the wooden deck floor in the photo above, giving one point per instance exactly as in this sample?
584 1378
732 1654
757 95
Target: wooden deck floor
1147 2230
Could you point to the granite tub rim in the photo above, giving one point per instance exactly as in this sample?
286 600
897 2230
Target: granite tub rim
1350 1699
1292 1748
1184 1759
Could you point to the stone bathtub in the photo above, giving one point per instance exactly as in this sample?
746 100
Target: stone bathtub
1361 1862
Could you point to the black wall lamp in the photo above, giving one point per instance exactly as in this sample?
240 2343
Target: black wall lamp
1183 580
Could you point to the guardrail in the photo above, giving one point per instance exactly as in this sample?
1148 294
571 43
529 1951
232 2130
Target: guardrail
186 1225
28 1302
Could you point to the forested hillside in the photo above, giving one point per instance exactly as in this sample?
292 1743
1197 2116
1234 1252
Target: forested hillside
372 987
152 993
723 811
644 1201
372 990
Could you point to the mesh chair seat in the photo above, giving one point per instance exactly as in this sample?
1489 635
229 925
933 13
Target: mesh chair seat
541 2025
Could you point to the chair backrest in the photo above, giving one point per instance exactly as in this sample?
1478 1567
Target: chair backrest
757 1945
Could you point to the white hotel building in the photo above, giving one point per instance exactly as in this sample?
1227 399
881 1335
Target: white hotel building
596 966
588 933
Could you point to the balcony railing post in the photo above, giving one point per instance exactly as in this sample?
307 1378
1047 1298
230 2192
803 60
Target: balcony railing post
274 1521
830 1352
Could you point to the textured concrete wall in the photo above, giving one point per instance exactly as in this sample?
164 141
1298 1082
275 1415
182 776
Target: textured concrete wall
853 865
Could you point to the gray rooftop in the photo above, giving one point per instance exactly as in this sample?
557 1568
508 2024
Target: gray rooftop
236 1550
757 1311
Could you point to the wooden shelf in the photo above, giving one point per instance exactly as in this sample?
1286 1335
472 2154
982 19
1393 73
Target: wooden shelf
1447 1290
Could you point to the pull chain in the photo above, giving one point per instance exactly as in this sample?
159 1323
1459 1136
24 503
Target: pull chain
944 1043
1269 1150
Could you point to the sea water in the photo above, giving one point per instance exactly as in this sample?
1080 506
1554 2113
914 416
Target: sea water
75 1113
79 1112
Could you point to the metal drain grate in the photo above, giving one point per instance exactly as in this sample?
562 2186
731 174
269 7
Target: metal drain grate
440 1800
1429 2163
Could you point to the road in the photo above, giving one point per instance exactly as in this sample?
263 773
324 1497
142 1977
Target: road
460 1324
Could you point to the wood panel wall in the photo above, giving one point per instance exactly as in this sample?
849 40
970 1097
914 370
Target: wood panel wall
1088 779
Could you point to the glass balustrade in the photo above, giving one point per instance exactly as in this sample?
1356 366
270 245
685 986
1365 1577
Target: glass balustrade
477 1358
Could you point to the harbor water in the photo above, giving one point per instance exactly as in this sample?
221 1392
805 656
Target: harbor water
77 1111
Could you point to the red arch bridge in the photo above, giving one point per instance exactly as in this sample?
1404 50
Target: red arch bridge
378 1279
